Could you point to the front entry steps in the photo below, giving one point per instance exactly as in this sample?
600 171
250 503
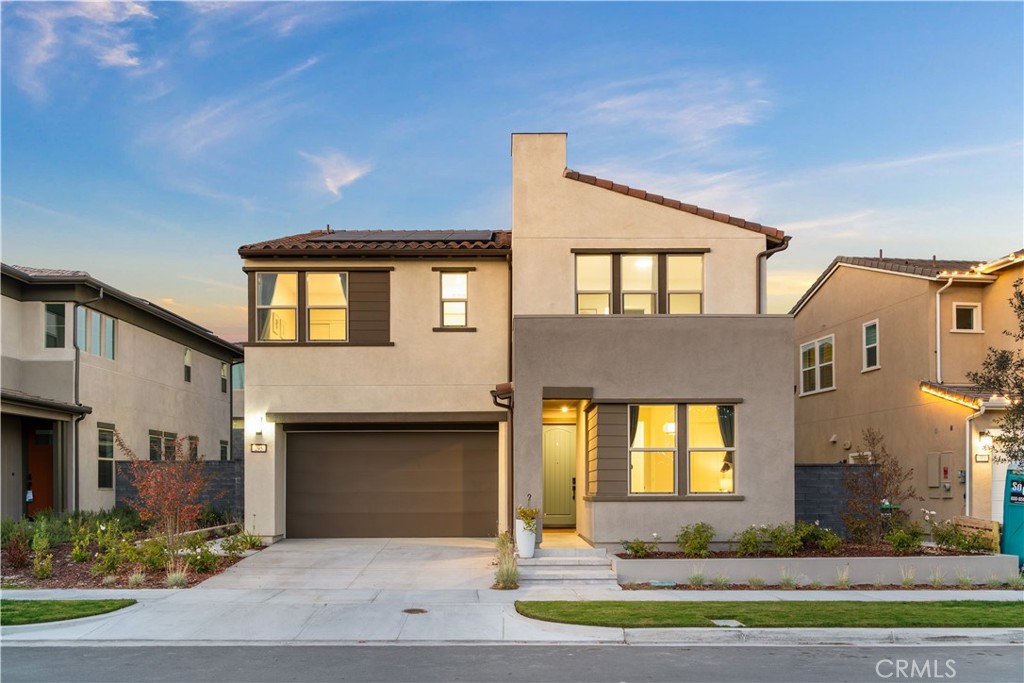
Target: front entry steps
567 567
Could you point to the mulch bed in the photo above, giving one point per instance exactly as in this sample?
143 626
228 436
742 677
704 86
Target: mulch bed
847 550
70 574
806 587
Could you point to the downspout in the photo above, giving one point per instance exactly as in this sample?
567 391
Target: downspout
762 273
967 458
938 331
78 402
510 473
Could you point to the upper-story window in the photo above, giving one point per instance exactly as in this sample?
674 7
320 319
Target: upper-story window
966 317
54 326
238 376
816 365
97 333
871 361
188 365
454 299
223 378
277 300
327 306
640 283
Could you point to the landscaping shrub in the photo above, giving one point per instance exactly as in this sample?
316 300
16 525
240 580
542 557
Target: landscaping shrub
868 486
751 541
506 577
81 538
176 579
640 548
210 517
816 536
694 539
151 554
202 560
783 540
906 539
16 552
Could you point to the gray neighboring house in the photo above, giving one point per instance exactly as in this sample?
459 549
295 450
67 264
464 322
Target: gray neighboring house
608 359
81 359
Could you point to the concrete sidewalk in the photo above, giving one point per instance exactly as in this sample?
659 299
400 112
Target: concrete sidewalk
468 616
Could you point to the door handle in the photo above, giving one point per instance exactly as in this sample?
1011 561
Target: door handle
574 488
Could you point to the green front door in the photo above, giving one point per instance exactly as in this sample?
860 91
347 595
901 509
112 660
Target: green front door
559 476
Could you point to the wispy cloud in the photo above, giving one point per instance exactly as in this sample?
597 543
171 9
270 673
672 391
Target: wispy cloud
926 158
226 320
334 170
102 31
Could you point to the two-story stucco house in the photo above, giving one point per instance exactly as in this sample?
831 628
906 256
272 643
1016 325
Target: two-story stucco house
81 359
886 343
608 360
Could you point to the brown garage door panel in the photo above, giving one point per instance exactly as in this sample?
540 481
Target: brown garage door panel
397 484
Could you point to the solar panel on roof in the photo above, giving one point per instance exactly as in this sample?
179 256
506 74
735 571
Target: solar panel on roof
406 236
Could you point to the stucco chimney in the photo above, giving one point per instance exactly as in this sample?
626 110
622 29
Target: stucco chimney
538 153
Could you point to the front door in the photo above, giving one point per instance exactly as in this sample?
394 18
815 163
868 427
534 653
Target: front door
559 476
40 467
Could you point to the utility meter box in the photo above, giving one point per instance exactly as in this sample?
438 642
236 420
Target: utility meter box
1013 515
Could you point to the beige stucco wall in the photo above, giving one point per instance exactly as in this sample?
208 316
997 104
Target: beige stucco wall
551 215
425 371
889 399
29 366
665 359
144 388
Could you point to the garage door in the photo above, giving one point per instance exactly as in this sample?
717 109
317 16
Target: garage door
398 484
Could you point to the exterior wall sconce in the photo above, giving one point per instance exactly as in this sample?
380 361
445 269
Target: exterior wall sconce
985 443
259 427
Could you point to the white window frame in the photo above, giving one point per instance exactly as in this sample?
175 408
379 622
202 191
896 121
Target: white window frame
977 329
630 450
817 365
225 375
188 365
864 349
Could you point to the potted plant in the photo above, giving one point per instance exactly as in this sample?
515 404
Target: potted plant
526 529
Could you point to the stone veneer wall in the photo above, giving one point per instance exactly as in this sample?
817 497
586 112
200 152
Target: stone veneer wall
820 495
225 492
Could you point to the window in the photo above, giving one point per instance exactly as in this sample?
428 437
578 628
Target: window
652 449
224 453
454 299
327 306
871 345
96 333
685 283
188 365
711 446
223 378
640 284
966 317
816 373
54 326
594 284
105 457
277 301
238 376
193 448
162 445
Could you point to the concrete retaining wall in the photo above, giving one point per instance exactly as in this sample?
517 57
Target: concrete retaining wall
862 570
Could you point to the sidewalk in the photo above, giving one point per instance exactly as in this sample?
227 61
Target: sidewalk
454 616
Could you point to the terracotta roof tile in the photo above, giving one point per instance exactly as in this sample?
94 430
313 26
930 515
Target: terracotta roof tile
773 233
383 242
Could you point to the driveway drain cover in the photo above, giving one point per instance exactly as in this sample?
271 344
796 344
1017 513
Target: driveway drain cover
415 610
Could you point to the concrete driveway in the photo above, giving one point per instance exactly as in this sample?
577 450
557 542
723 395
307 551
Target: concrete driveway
411 564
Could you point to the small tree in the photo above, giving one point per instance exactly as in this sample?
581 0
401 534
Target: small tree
168 493
1002 373
867 486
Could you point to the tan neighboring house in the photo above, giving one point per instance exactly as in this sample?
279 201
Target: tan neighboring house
607 360
886 343
81 359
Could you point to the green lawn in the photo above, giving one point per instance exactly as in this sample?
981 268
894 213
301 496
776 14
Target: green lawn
17 612
796 614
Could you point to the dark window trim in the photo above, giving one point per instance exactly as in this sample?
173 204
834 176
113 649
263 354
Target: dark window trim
453 269
294 344
568 393
60 341
442 300
647 400
638 250
269 268
307 309
454 329
225 451
100 461
659 498
105 425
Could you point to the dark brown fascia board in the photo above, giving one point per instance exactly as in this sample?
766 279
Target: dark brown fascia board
454 329
637 250
34 402
453 269
258 344
132 309
697 498
464 417
496 252
271 268
567 393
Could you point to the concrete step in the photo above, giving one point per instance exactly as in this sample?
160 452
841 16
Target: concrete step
544 583
564 561
565 573
570 552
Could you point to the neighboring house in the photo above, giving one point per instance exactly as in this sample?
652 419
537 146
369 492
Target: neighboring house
82 359
648 389
886 343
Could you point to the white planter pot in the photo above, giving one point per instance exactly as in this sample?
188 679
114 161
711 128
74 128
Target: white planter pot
526 541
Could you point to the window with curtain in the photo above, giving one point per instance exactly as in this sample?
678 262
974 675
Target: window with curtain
277 301
327 306
652 449
711 448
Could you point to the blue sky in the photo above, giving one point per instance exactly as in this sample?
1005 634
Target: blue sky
146 142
